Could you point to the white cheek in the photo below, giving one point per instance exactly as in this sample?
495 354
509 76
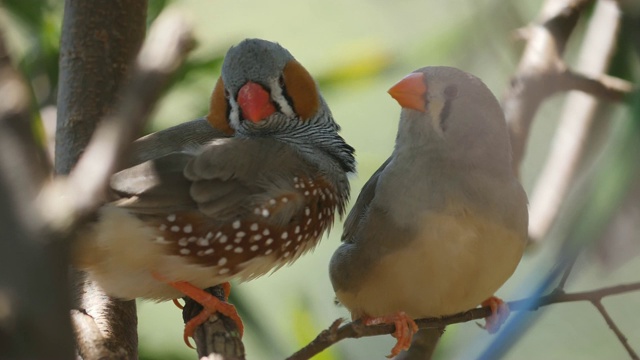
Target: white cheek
234 114
278 97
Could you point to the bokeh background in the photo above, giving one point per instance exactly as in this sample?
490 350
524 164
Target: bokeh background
356 50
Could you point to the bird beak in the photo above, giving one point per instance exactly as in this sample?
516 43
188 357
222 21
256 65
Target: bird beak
255 102
410 92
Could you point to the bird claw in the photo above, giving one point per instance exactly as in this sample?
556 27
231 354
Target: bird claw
499 314
333 329
191 325
210 304
176 302
405 329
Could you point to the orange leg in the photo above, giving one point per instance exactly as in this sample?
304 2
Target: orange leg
405 329
211 305
226 287
499 314
190 327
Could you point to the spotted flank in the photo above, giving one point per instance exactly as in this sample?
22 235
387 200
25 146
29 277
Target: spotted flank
230 247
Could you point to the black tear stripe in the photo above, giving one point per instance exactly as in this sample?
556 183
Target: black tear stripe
444 114
286 96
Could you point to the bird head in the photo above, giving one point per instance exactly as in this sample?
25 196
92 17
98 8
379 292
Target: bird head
448 109
262 88
264 91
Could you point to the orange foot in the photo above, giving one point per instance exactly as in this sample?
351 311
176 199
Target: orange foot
405 329
499 314
211 305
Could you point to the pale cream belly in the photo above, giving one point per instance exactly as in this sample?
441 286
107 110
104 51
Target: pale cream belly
456 264
120 255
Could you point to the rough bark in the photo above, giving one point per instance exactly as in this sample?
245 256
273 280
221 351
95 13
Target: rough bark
99 41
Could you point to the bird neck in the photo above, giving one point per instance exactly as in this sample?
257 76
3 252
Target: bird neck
322 146
415 134
309 138
485 149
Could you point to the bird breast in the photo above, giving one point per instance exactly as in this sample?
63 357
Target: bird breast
455 262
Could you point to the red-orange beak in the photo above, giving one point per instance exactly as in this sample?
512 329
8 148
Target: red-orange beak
410 92
255 102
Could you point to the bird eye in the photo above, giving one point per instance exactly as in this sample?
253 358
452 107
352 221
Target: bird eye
451 92
227 94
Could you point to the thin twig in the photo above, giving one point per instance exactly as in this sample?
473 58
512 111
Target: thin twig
615 329
605 87
567 271
356 329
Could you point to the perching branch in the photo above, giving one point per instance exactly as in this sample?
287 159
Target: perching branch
217 338
356 329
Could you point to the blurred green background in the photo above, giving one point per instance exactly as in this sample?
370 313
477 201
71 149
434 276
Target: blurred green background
356 50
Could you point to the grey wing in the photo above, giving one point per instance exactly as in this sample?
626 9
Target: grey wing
360 208
225 179
232 177
153 180
154 186
159 186
182 138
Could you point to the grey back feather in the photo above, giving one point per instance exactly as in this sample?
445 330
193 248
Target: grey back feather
186 137
361 207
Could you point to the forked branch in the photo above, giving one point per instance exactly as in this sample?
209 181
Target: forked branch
356 329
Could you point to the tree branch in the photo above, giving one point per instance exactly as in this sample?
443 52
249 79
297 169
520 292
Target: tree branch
83 191
605 87
98 44
218 337
31 325
615 329
356 329
539 65
577 120
566 273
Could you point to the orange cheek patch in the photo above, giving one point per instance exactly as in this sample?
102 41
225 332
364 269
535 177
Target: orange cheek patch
218 109
301 89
